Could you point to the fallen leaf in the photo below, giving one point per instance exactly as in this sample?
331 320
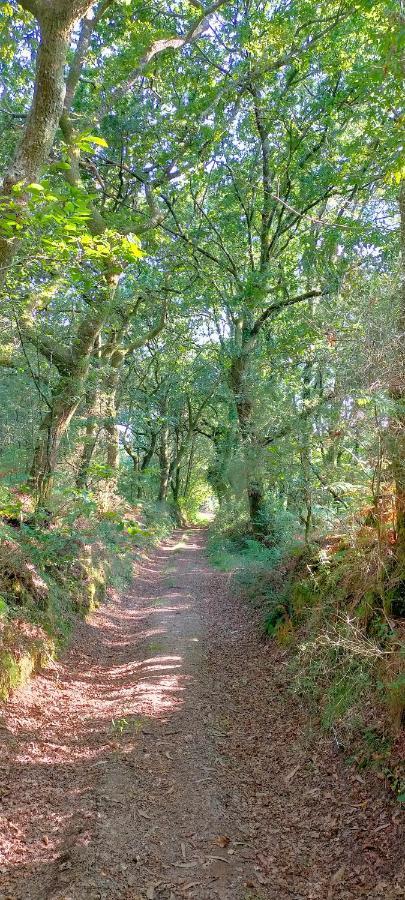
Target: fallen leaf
222 840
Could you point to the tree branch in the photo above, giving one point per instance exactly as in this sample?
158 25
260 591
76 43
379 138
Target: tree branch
136 345
51 349
277 307
195 31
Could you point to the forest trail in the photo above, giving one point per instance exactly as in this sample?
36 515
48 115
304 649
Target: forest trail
162 758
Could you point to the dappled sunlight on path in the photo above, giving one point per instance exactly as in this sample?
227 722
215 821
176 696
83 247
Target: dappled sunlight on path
163 758
124 669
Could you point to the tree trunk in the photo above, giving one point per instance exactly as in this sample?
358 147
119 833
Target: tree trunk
175 487
187 484
113 446
90 439
250 444
164 462
150 451
397 391
64 402
65 399
305 455
42 122
110 422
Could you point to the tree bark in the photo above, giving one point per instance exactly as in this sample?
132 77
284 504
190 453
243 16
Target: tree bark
305 456
111 425
64 402
65 399
90 439
250 443
43 119
164 462
397 392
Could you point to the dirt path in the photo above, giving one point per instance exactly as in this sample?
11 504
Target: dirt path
163 758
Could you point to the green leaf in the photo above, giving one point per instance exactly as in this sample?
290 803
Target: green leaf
89 139
35 187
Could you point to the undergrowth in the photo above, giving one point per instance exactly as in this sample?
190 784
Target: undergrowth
336 608
57 567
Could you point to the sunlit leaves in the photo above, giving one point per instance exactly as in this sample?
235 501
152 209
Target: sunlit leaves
87 141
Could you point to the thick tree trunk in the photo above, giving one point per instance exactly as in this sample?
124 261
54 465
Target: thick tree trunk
64 402
65 399
90 440
250 444
111 429
42 122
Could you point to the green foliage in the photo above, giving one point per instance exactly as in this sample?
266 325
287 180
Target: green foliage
200 306
10 505
10 674
49 576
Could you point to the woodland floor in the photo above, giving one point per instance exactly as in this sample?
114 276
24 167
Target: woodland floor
164 758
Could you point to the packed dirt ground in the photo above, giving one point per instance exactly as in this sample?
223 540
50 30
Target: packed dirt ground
163 758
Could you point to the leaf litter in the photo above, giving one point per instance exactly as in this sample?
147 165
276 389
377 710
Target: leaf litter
220 761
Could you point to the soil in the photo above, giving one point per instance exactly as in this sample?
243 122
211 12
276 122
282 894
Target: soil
164 757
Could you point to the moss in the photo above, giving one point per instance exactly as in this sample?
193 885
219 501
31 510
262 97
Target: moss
51 575
21 657
9 673
90 585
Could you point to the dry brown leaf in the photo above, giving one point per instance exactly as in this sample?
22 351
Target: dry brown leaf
222 840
